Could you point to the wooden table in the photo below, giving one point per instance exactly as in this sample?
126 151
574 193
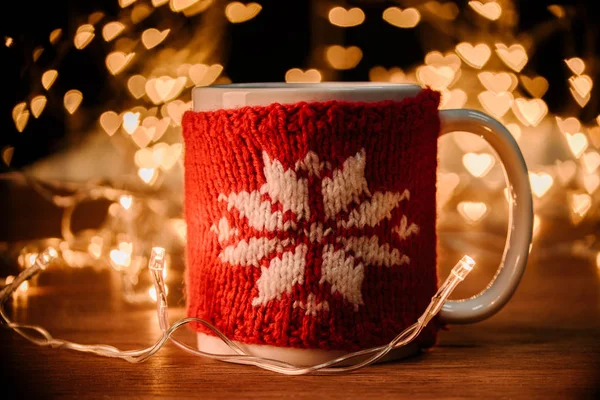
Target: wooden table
544 344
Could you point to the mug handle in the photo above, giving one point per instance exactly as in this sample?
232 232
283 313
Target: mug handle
520 217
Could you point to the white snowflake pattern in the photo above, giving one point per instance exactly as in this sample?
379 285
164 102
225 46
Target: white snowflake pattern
343 257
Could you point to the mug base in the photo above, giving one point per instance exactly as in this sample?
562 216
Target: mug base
300 357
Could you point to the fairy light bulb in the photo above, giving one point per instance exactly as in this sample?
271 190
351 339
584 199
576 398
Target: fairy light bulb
464 266
458 274
156 266
46 257
20 284
157 259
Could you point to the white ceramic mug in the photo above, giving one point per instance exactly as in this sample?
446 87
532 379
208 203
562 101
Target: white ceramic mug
517 248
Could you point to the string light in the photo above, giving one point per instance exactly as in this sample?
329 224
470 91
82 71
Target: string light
130 216
156 265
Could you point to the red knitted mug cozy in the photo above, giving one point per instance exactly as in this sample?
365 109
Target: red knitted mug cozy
312 225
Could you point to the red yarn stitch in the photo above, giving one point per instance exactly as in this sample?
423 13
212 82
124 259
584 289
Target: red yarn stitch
223 155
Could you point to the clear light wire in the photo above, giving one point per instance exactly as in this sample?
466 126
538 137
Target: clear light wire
42 337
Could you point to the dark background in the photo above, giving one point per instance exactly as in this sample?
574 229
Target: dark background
279 38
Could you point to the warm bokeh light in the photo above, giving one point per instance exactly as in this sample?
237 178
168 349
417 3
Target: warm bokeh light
437 78
540 183
478 165
126 3
514 56
576 65
490 10
581 88
163 89
137 86
20 116
110 122
84 35
7 154
472 212
537 86
530 112
95 247
188 7
153 37
237 12
112 30
498 82
72 100
381 74
296 75
497 104
126 201
591 183
580 204
451 99
148 175
475 56
131 121
437 59
48 78
37 53
180 227
340 57
446 183
37 105
557 10
121 257
407 18
341 17
577 142
204 75
117 61
591 161
565 171
568 125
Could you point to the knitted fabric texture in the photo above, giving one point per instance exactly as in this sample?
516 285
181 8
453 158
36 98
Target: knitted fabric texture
312 225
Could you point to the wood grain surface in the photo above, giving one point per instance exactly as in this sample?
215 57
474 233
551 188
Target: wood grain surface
544 344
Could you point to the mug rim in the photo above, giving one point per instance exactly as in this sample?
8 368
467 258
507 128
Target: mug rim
282 86
209 98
